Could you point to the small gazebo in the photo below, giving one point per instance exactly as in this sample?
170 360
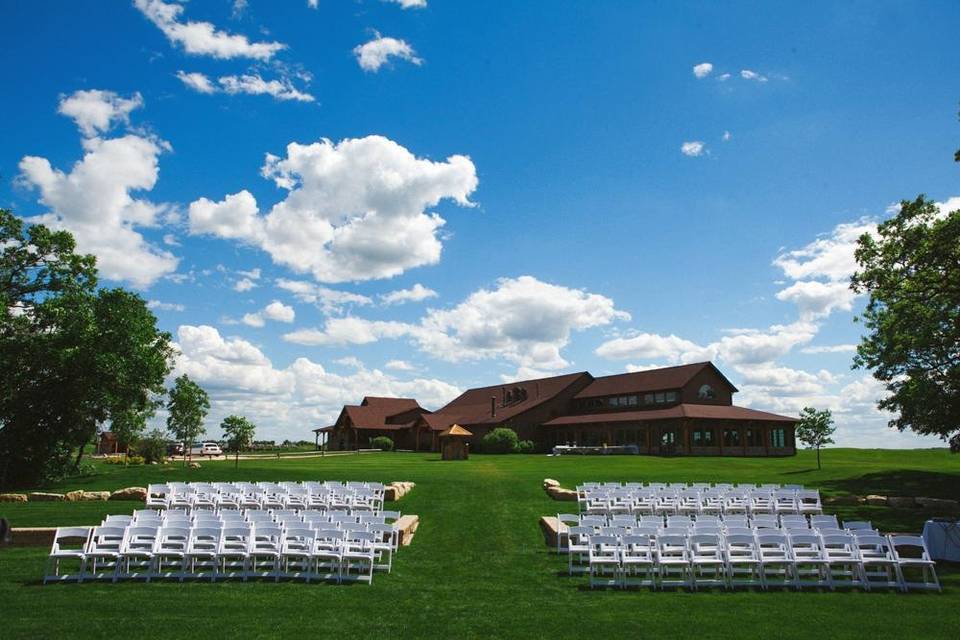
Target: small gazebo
453 443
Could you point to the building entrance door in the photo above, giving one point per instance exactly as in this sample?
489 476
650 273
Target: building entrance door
668 441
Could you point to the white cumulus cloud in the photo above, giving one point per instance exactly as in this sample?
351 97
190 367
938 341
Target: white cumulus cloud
702 70
249 84
96 111
354 210
377 52
203 38
275 311
693 148
416 293
747 74
94 199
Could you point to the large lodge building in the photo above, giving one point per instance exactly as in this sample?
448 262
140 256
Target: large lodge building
683 410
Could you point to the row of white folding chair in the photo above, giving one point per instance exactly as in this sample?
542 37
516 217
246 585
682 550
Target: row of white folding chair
110 552
685 485
237 494
762 560
210 501
802 502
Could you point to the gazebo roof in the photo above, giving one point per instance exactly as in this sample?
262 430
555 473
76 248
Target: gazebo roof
455 430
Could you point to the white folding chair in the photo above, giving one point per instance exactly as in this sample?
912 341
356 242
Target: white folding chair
328 555
858 525
743 560
912 559
233 554
383 545
878 561
637 561
170 552
843 560
136 553
604 561
673 561
202 559
785 502
157 496
808 502
578 548
358 557
809 560
101 560
69 546
296 553
776 561
707 564
264 552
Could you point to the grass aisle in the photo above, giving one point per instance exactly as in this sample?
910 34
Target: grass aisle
478 567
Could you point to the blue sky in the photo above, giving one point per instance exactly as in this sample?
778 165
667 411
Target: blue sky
550 186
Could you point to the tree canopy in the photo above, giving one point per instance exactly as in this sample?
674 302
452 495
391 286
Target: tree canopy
911 271
72 356
239 434
815 429
188 406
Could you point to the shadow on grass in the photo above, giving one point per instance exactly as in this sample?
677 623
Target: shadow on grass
906 482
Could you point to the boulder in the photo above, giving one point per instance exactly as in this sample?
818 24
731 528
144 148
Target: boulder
74 496
939 504
93 496
130 493
901 502
194 465
13 497
565 495
550 482
877 501
41 496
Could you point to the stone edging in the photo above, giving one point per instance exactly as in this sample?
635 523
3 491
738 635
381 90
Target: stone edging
393 492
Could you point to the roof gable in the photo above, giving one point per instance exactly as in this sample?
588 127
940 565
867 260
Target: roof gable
650 380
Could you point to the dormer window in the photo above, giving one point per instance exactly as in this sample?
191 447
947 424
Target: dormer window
706 392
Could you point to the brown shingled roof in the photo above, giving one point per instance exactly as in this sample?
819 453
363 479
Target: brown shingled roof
707 411
473 405
375 412
650 380
455 430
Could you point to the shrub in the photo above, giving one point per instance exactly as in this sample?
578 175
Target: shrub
382 442
525 446
153 447
499 440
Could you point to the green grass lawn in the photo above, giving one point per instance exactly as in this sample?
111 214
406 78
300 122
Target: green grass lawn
478 567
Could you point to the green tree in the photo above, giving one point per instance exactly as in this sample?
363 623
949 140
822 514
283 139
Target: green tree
911 271
71 356
128 426
187 407
815 428
239 434
153 446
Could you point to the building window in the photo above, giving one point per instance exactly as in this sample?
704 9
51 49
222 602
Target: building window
731 437
706 392
658 397
613 402
703 438
633 401
754 437
670 396
777 438
648 398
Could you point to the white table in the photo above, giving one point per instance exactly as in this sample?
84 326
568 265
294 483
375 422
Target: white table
942 540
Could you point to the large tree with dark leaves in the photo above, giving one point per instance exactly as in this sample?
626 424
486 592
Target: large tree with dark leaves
911 271
71 355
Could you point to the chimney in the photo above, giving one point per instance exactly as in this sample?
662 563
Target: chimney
493 406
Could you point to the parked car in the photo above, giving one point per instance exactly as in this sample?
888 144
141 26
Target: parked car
210 449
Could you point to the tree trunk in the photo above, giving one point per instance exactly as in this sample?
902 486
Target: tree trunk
76 463
236 459
818 458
